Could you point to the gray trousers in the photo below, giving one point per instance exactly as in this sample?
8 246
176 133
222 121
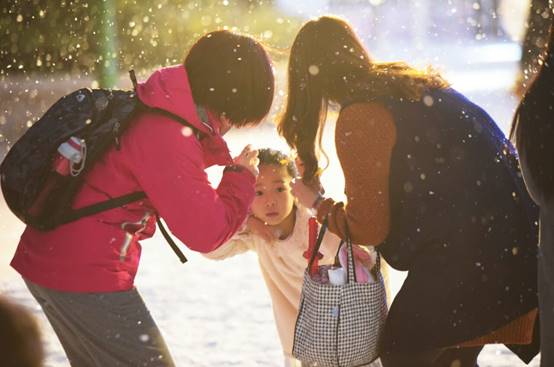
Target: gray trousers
103 329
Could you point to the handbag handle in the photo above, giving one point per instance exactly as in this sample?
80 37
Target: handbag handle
351 273
351 267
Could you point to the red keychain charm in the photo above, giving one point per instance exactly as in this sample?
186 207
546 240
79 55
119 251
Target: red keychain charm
312 238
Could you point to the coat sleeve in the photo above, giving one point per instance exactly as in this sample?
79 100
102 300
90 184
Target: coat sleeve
238 244
169 167
365 136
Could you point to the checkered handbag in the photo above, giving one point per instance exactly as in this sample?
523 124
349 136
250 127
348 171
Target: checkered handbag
339 325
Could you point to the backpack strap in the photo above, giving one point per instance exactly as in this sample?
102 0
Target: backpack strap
170 241
116 203
172 116
120 201
176 118
133 79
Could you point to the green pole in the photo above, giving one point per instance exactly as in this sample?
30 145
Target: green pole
109 66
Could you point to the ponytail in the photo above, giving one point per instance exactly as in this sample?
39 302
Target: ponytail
303 119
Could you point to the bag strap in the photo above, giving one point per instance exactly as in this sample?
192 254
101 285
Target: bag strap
350 271
133 78
172 116
116 203
176 118
170 241
132 197
351 268
102 206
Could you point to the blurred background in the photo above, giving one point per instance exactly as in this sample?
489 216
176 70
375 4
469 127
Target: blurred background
220 313
52 47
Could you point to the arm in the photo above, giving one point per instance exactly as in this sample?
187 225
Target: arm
254 233
169 167
238 244
364 138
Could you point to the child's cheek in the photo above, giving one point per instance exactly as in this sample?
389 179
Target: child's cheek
256 207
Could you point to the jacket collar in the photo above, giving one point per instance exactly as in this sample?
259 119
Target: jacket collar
168 89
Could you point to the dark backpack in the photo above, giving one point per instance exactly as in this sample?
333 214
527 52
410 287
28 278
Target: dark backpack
98 117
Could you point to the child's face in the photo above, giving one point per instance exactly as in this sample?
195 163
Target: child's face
274 201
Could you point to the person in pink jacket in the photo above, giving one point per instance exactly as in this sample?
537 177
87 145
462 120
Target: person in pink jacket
82 273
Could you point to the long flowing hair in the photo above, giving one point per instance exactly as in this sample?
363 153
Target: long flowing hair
329 63
533 124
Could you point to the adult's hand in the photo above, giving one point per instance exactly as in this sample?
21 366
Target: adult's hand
248 159
259 228
299 166
314 182
307 195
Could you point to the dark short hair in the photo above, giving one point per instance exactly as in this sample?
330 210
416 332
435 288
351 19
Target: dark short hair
231 74
20 344
271 156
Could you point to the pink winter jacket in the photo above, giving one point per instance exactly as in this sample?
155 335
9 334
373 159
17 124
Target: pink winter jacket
165 160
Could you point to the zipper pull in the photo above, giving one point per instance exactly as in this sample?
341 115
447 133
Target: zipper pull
125 246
